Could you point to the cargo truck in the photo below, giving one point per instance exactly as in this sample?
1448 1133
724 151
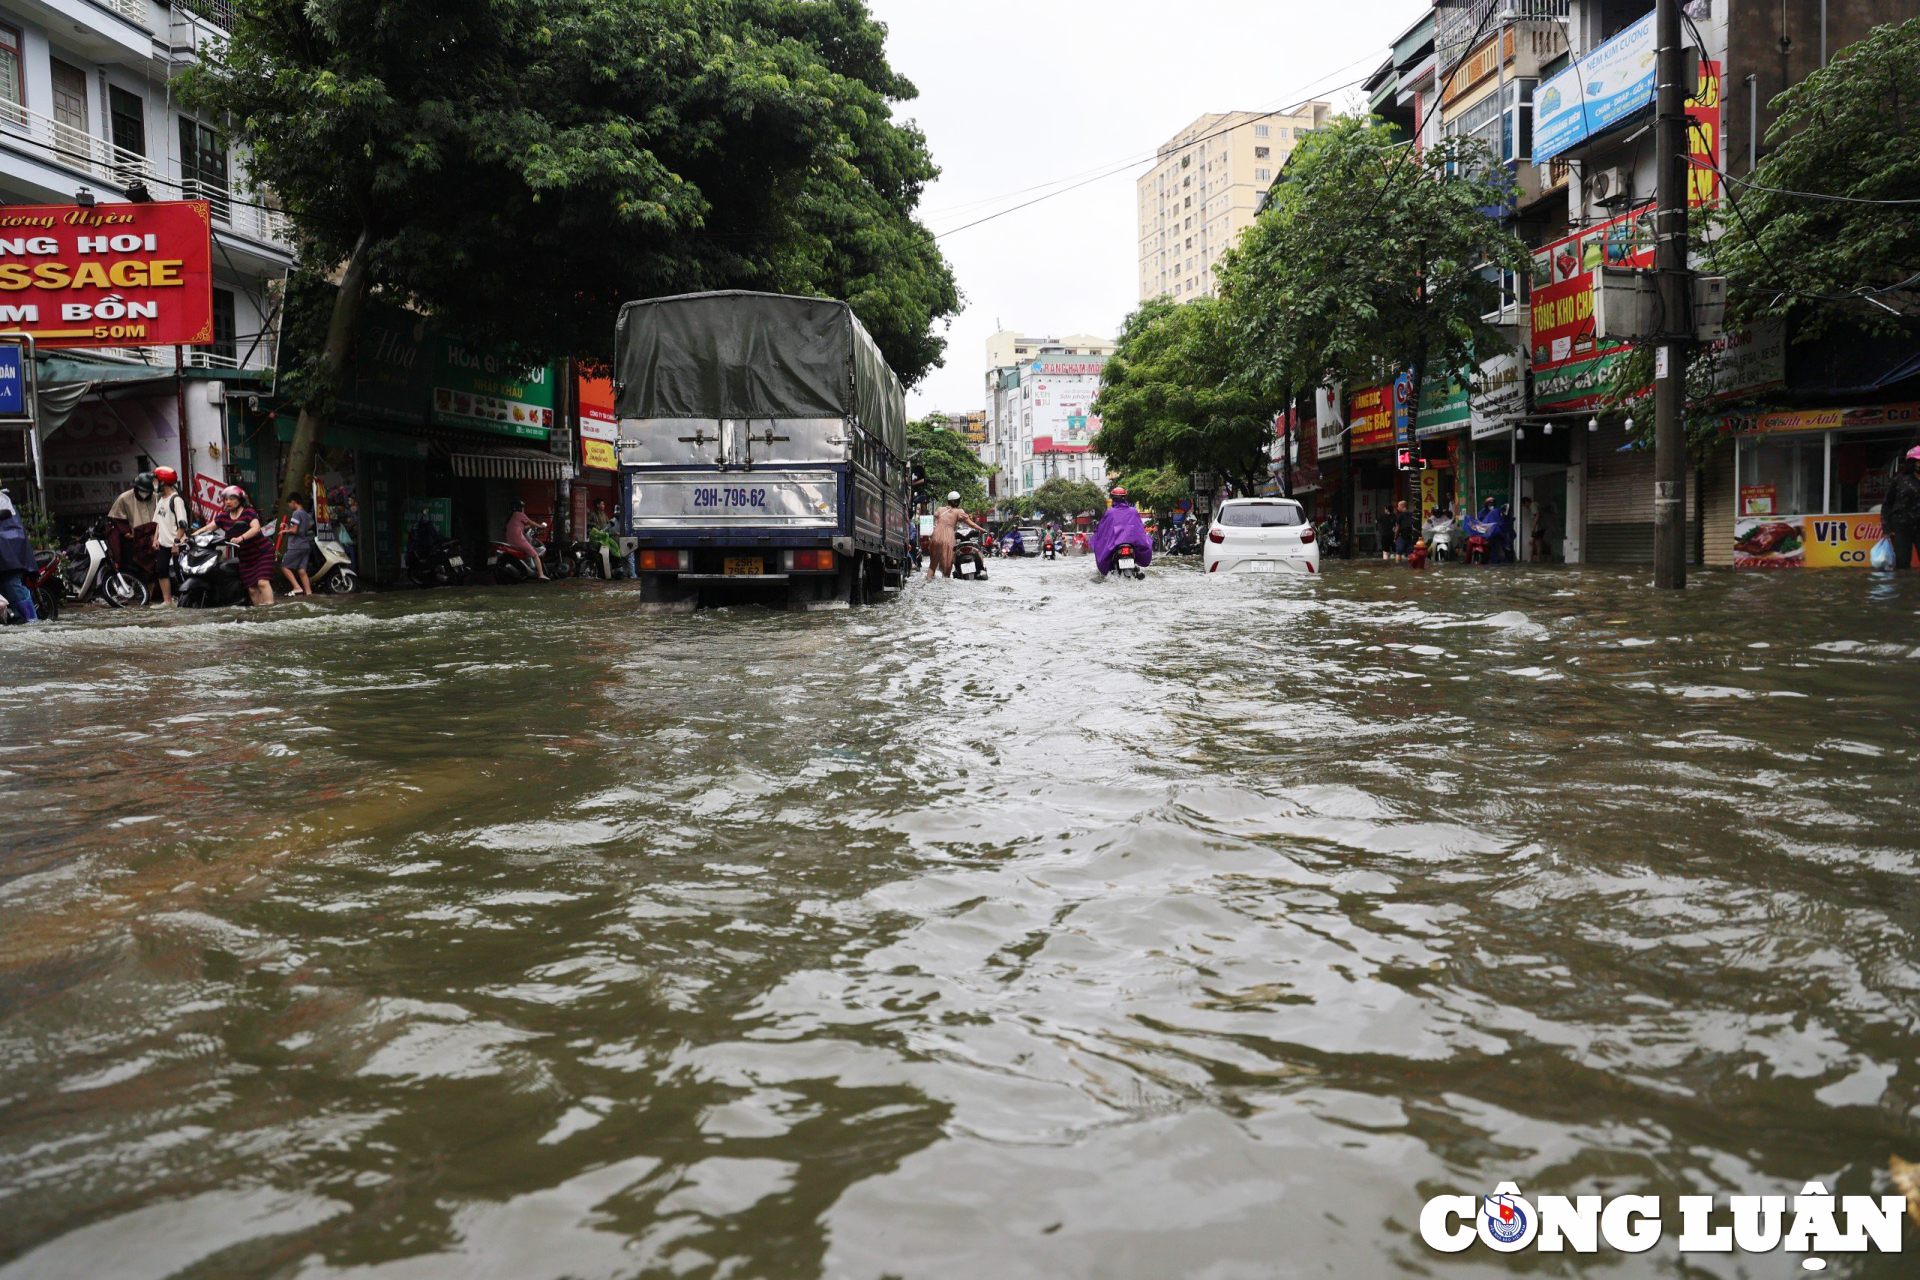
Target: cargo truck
763 452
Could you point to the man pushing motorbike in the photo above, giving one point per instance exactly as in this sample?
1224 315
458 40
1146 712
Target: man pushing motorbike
946 521
1119 527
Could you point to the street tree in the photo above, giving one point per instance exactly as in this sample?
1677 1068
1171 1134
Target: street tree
1815 236
1370 258
1062 499
1160 489
519 168
1174 395
948 462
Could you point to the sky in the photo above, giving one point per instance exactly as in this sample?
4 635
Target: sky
1019 93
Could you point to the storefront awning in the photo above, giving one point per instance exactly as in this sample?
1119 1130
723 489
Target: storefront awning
503 462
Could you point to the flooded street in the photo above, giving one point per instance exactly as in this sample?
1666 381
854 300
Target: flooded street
1038 927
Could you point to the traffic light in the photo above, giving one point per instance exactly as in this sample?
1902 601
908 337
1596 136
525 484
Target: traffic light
1410 459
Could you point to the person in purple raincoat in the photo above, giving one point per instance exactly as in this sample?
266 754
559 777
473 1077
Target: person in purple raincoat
1121 524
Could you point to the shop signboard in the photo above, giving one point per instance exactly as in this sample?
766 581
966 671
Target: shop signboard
483 390
1329 406
1444 406
599 425
1757 499
121 275
1371 410
1571 368
1870 415
975 428
1596 92
13 380
1499 395
1839 541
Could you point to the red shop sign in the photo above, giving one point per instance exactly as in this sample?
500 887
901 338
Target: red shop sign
114 275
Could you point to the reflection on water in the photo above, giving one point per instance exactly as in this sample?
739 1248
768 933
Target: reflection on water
1036 927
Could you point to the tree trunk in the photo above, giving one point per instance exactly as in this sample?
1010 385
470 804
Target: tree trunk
1286 446
342 328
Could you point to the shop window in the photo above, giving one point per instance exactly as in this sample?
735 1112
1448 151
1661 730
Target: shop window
1782 476
224 349
13 88
1863 468
128 120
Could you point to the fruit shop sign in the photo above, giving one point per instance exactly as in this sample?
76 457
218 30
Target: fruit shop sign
108 275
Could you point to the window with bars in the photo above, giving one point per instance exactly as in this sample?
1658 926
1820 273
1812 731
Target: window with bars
13 85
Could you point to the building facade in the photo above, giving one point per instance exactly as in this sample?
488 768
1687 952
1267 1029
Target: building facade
1039 420
86 113
1205 188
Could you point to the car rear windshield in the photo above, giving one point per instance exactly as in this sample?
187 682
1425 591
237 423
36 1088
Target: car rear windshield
1260 515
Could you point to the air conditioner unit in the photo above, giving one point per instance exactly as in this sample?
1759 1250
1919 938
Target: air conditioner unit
1608 184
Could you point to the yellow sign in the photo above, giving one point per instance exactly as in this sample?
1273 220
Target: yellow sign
599 454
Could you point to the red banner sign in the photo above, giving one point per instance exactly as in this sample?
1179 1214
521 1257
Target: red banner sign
114 275
599 428
1371 413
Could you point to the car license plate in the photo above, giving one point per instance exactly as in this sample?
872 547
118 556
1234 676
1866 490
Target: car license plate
741 565
1262 566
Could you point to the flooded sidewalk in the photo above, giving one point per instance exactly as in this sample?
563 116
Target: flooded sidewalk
1034 927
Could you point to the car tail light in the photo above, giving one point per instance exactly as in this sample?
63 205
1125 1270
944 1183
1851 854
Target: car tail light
1214 535
1214 567
1306 534
808 561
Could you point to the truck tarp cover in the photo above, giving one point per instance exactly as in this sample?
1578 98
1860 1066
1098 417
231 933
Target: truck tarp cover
754 355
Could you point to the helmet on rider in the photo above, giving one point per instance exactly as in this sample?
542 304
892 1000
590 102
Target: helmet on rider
1914 453
143 484
519 504
1119 491
166 475
234 491
953 496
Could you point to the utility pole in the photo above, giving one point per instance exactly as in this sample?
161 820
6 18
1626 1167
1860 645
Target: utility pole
1675 283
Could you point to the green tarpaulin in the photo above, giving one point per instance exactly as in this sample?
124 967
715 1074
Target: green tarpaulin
754 355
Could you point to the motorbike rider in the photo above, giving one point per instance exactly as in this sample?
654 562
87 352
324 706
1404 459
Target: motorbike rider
1120 524
171 523
520 540
940 543
16 560
130 527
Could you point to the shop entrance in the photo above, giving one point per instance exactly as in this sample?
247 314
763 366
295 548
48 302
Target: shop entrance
1543 490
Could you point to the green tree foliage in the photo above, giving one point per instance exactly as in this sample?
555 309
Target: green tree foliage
1174 395
1851 130
1368 260
1159 490
949 462
1060 499
521 167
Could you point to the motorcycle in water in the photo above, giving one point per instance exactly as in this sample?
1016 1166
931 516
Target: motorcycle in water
1329 535
1049 549
332 570
969 563
1123 562
1183 542
511 565
1486 538
443 566
206 575
576 560
88 571
1439 535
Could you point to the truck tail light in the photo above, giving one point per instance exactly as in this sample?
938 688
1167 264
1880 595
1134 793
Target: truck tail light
1306 534
652 561
1214 535
810 561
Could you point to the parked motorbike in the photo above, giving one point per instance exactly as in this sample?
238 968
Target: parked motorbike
1439 535
88 571
331 569
1183 542
206 574
1329 535
1123 562
444 566
511 565
44 586
969 562
576 560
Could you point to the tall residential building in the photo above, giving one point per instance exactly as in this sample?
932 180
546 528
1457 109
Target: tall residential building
1040 425
1205 189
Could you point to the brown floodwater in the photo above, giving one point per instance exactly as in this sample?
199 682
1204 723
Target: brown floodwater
1037 927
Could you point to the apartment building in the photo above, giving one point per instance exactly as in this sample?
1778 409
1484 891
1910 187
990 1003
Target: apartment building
1205 188
86 113
1039 417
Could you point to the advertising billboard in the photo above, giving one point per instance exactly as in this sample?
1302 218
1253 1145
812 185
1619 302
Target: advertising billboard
122 275
1596 92
599 428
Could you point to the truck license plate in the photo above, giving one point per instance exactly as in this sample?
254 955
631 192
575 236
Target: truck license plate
742 565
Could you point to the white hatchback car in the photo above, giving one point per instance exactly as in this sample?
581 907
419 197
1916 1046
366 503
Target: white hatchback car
1261 535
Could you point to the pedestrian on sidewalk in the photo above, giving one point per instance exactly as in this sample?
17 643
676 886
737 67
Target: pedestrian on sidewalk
16 560
1900 510
296 546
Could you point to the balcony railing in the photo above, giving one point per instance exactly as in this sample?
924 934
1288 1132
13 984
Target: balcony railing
73 147
1456 21
134 11
217 12
260 358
